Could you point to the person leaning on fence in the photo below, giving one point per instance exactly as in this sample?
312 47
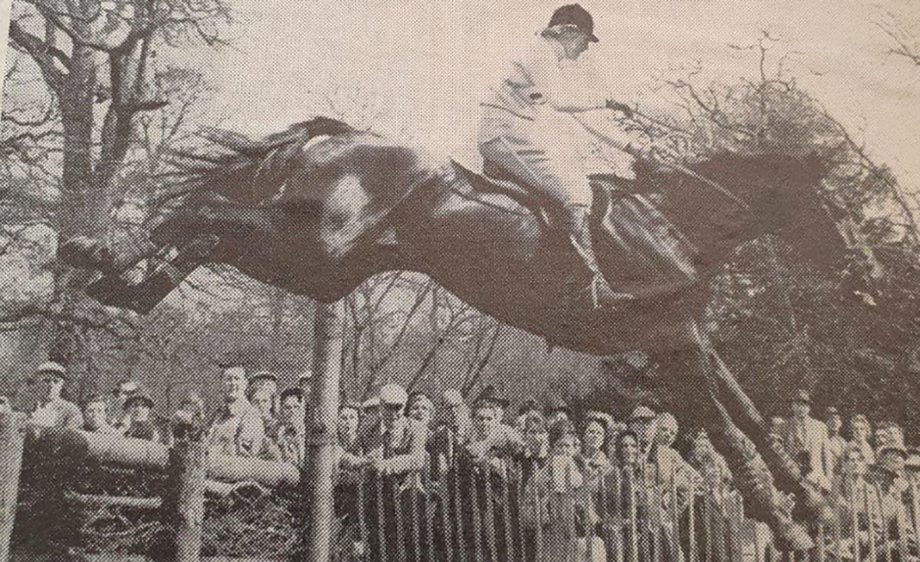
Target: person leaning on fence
592 457
536 445
491 440
672 472
52 409
450 433
400 446
236 428
95 416
556 497
710 465
642 423
189 420
806 441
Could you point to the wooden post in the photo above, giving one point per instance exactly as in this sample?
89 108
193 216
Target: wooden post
183 502
319 463
10 467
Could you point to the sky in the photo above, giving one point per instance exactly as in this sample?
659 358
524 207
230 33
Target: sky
424 63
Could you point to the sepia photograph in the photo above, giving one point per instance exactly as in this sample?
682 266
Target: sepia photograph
465 281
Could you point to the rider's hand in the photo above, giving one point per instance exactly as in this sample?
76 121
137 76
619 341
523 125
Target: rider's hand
617 106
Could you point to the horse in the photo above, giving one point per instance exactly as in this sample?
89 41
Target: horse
320 207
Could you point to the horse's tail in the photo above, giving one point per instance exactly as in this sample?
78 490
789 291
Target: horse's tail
238 167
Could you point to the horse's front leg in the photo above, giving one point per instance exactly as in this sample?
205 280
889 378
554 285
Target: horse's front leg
696 395
141 297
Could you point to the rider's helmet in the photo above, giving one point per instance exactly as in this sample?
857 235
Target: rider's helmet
574 14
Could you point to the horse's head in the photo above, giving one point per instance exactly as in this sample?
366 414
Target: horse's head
781 195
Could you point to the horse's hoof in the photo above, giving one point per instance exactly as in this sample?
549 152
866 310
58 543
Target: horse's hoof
792 537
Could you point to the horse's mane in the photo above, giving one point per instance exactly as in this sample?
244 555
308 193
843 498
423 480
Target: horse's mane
243 169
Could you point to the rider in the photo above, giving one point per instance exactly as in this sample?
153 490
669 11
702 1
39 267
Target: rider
525 130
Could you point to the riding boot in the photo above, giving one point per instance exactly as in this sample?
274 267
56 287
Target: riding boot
577 224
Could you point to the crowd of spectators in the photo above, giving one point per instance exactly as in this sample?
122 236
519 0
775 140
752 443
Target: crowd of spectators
400 436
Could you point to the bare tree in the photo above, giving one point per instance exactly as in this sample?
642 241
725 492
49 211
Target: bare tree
91 54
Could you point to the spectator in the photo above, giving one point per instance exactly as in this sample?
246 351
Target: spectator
291 433
860 433
122 392
400 447
628 452
672 472
489 439
350 445
95 416
836 444
52 409
236 428
141 423
5 406
806 441
490 396
188 421
420 408
557 411
370 420
527 406
263 400
850 474
777 428
710 465
559 484
452 432
642 423
536 445
594 438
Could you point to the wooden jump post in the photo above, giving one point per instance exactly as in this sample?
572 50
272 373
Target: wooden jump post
319 465
182 512
11 437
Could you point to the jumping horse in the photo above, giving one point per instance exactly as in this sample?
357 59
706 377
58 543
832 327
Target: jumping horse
320 207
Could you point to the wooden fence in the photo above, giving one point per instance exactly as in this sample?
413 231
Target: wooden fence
491 511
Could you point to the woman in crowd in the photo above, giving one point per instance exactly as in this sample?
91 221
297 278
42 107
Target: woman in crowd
594 437
536 445
861 434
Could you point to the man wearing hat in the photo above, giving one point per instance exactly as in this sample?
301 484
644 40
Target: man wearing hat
52 410
806 441
556 411
121 392
642 422
526 131
142 424
399 447
450 433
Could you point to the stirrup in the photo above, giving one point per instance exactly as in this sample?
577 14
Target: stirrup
610 297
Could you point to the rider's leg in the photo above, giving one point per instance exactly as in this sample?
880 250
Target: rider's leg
556 174
576 221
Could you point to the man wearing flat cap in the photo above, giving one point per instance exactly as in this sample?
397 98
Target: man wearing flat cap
399 448
806 441
642 422
52 410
